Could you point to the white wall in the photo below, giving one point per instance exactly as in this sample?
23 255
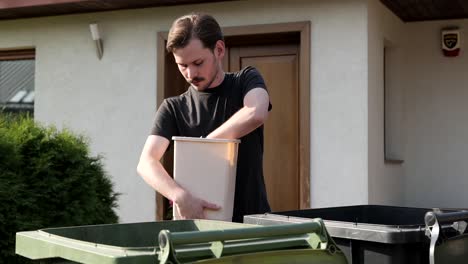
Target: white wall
113 100
338 105
437 129
425 113
385 179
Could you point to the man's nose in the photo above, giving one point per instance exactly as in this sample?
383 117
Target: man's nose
191 72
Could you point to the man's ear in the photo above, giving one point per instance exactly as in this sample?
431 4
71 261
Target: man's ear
220 48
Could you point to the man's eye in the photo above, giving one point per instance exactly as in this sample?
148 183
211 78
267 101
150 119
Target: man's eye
183 66
198 63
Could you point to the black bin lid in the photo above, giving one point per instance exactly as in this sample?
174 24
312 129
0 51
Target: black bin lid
366 214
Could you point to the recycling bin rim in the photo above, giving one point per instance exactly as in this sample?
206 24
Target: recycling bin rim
211 239
37 244
205 140
388 234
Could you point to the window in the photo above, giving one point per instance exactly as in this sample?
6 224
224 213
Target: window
17 69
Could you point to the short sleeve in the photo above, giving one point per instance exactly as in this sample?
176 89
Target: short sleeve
164 122
252 79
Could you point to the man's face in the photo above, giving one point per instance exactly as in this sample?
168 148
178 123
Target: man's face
200 66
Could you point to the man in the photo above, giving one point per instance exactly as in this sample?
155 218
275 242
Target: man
216 105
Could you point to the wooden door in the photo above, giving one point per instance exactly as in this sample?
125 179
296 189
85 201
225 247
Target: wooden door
278 65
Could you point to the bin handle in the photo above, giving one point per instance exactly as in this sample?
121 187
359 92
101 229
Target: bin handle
251 238
443 218
244 233
433 221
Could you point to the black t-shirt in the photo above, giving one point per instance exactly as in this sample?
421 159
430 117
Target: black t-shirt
197 113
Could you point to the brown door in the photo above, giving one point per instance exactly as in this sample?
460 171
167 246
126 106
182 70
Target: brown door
278 65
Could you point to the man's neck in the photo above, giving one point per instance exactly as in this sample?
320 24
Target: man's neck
218 79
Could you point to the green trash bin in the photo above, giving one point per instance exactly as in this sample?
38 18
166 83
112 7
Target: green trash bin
182 241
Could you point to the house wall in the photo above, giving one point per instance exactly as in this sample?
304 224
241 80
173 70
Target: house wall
385 179
435 98
425 113
113 100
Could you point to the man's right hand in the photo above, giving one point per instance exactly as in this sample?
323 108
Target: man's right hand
190 207
152 171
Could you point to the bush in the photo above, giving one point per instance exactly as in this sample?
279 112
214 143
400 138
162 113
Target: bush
48 179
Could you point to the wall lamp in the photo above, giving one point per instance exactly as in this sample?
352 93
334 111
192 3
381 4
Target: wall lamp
97 39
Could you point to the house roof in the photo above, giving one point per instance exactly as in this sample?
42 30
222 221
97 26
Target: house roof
421 10
408 11
35 8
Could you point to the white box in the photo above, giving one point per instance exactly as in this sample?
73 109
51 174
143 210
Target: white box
207 169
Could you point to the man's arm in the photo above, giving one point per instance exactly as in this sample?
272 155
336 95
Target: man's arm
152 171
248 118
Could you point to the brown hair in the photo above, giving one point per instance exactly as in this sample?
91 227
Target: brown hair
201 26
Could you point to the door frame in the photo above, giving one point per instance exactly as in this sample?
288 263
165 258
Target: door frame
303 28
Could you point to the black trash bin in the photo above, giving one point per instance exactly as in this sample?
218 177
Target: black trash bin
367 234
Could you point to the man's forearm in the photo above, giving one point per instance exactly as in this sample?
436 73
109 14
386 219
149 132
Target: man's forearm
157 177
240 124
248 118
188 206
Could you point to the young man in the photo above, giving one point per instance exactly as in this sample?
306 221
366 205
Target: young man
216 105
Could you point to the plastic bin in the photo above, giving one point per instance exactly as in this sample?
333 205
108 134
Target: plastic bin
181 241
207 168
367 233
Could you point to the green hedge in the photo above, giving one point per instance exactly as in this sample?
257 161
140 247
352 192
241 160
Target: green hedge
48 178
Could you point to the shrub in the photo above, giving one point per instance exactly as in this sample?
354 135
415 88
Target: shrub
48 179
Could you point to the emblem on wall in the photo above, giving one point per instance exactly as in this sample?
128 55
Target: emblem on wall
451 42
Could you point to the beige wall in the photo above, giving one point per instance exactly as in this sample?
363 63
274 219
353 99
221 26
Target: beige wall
385 179
113 100
436 102
426 113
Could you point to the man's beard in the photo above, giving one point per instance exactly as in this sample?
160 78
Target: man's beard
200 79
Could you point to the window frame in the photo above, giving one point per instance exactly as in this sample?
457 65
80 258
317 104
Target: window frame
18 54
